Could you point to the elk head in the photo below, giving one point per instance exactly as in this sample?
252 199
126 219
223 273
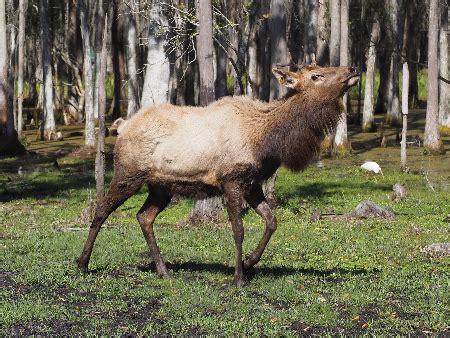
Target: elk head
318 81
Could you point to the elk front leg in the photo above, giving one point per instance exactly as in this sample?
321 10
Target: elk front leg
233 201
155 203
255 198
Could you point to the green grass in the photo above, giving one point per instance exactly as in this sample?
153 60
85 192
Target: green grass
329 277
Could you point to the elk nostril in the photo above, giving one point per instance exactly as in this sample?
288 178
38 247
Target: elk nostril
352 69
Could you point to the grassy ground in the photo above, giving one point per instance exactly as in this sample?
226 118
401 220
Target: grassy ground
327 277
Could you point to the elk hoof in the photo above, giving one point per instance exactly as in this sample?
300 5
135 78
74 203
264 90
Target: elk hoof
82 266
164 273
238 281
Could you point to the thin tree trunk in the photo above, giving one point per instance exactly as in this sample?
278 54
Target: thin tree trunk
432 139
312 33
88 78
368 124
410 42
12 72
48 122
9 145
405 100
444 114
384 66
335 13
3 71
322 33
209 209
341 144
278 45
133 98
116 109
100 158
22 9
393 116
157 68
97 46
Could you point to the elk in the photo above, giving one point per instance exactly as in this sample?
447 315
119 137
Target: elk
227 148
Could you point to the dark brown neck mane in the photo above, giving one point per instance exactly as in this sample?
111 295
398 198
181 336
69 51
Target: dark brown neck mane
296 128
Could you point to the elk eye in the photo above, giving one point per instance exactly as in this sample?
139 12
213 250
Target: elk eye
315 77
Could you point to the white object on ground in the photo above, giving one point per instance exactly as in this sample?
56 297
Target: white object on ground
372 166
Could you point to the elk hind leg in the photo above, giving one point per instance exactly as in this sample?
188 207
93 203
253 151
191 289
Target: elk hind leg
256 199
155 203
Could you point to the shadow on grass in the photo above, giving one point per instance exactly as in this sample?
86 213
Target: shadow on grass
275 271
41 177
321 190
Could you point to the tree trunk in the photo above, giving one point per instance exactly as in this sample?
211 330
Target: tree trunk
221 70
252 53
384 66
48 121
100 158
22 9
133 97
88 77
312 33
335 36
9 145
368 124
278 45
209 209
116 62
444 114
12 120
393 116
410 43
205 55
157 69
432 140
3 71
405 116
322 33
341 143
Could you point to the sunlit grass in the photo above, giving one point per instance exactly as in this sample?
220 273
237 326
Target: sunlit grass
327 277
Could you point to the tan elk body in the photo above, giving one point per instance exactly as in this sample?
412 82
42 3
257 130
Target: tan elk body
229 147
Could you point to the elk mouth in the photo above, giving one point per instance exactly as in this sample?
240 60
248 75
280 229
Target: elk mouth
352 78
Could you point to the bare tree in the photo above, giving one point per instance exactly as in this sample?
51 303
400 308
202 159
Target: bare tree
22 9
335 35
117 59
100 158
432 140
48 126
368 124
157 69
88 76
322 32
208 209
312 33
393 116
278 44
133 97
3 72
9 144
444 114
405 110
341 144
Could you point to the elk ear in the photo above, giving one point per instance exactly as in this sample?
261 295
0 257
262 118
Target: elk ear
313 60
285 78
